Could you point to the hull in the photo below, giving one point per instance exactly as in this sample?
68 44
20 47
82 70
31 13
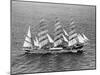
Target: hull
54 51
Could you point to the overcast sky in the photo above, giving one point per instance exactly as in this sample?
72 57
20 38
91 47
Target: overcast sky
29 13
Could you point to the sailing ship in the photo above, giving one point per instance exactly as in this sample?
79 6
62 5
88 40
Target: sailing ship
62 41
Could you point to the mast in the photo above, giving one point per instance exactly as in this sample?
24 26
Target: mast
72 34
58 33
28 45
42 35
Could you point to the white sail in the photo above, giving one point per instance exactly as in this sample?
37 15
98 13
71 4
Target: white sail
65 39
80 39
58 42
58 33
44 42
58 36
65 32
72 36
72 23
72 31
36 42
27 45
73 26
29 32
42 32
57 27
28 41
42 37
58 23
72 42
85 38
50 39
42 20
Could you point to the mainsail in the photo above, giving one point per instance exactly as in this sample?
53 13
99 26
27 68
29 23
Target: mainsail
28 41
42 35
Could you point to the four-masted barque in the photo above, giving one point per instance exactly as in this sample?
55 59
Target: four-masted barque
63 41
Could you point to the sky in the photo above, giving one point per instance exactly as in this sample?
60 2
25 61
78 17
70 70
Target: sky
24 14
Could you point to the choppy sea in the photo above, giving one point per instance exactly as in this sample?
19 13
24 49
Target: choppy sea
33 63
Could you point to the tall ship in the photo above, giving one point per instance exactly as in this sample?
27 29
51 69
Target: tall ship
63 41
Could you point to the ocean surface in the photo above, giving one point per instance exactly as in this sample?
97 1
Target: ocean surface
32 63
29 13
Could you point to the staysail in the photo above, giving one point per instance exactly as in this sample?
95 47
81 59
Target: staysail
80 39
58 33
50 39
85 38
65 39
